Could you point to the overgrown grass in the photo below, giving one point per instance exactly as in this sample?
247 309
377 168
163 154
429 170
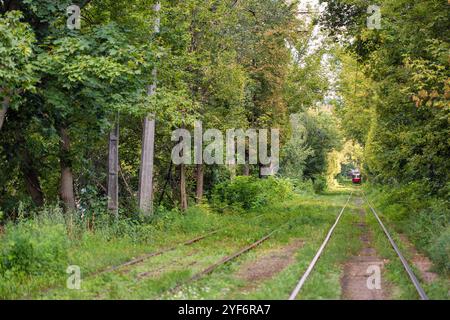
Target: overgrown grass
395 272
35 252
424 219
96 245
311 219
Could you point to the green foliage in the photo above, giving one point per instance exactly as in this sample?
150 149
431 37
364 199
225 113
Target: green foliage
245 193
33 247
296 151
319 184
323 135
394 88
439 250
303 186
216 61
423 218
17 73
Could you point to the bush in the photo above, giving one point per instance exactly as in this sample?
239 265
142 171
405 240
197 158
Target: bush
319 184
34 247
439 250
302 186
246 193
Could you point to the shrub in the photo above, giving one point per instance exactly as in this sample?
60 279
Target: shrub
246 193
302 186
319 184
439 250
34 247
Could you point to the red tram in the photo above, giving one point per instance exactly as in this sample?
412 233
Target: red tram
356 178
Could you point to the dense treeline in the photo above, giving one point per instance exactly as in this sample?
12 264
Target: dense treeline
394 101
68 96
395 88
230 64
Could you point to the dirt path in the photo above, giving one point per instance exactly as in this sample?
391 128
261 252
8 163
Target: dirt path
359 279
421 262
266 266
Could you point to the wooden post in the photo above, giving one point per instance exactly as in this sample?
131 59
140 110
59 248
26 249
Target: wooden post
183 194
148 147
113 169
146 172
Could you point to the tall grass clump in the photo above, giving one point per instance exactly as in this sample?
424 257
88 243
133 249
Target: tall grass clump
319 184
30 247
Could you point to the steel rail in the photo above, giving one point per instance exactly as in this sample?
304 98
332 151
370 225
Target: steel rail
152 254
228 258
412 276
317 256
165 250
156 253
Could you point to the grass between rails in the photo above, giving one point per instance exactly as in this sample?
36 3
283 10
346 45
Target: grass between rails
324 281
92 250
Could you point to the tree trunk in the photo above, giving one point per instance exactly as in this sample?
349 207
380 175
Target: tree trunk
31 179
261 168
183 194
66 187
3 110
200 176
113 168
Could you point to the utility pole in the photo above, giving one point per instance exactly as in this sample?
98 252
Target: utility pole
113 170
148 145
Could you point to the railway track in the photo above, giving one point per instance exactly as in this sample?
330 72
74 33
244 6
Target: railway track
413 278
166 250
156 253
209 269
153 254
229 258
160 252
319 252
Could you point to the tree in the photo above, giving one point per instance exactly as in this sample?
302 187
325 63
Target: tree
16 53
404 81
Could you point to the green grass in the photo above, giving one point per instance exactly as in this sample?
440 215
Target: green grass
312 219
394 270
310 216
424 219
324 281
